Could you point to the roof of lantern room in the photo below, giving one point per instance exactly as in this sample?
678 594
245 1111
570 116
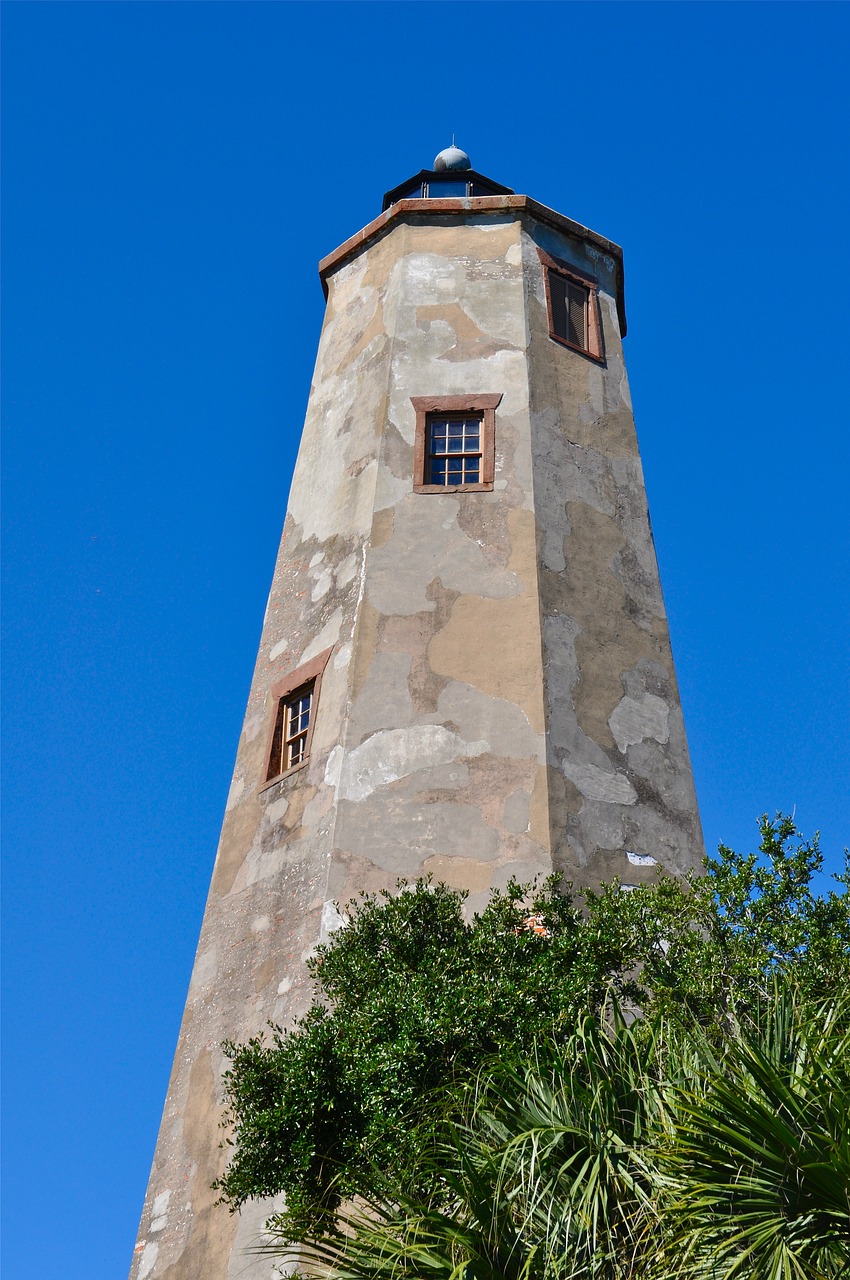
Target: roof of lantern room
451 168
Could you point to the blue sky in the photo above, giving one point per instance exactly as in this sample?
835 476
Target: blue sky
173 173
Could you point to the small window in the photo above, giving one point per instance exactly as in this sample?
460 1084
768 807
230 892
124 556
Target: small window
291 730
455 443
294 700
454 449
573 307
569 309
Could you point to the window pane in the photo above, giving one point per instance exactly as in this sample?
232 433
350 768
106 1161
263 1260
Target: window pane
289 741
276 756
451 187
577 312
454 450
558 302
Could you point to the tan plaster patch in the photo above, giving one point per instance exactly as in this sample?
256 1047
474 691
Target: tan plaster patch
538 814
365 645
480 244
374 329
264 973
411 633
471 342
300 795
487 522
351 875
382 528
213 1227
610 642
237 838
565 801
492 778
495 645
459 873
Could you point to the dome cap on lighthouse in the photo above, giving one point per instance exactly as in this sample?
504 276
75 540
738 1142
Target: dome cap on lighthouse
452 158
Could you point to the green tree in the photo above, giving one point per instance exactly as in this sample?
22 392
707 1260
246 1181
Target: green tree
669 1154
412 1000
543 1175
753 1171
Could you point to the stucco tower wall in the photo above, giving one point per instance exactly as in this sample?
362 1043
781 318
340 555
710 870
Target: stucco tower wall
622 797
498 696
442 770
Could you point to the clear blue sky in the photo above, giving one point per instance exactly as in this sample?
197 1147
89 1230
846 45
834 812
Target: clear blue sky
173 173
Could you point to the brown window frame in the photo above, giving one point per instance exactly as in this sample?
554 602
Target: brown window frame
484 406
308 675
593 347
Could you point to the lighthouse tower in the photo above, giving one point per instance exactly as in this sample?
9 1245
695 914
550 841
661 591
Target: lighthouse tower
465 668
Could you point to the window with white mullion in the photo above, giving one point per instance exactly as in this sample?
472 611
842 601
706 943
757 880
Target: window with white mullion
454 450
297 724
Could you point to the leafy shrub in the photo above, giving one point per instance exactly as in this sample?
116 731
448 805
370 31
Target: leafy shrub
413 999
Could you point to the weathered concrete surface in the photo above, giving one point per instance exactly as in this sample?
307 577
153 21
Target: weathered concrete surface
500 699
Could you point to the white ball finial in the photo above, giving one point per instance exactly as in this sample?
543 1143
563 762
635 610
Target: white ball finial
452 158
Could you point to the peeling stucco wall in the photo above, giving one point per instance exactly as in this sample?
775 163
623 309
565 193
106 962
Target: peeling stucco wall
622 782
500 698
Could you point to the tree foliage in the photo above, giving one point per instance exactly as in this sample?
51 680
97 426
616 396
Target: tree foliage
655 1151
412 1000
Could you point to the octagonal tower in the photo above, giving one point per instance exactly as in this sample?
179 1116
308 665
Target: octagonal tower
465 667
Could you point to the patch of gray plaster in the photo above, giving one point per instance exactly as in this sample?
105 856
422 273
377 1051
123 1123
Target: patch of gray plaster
277 810
384 700
523 870
205 970
516 814
160 1204
323 585
261 925
445 777
641 859
237 786
149 1257
427 543
390 489
261 864
253 725
412 831
500 723
347 569
159 1211
284 986
250 1239
332 920
395 753
333 766
597 784
634 719
327 637
342 657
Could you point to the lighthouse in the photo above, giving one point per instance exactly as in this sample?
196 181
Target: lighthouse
465 668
